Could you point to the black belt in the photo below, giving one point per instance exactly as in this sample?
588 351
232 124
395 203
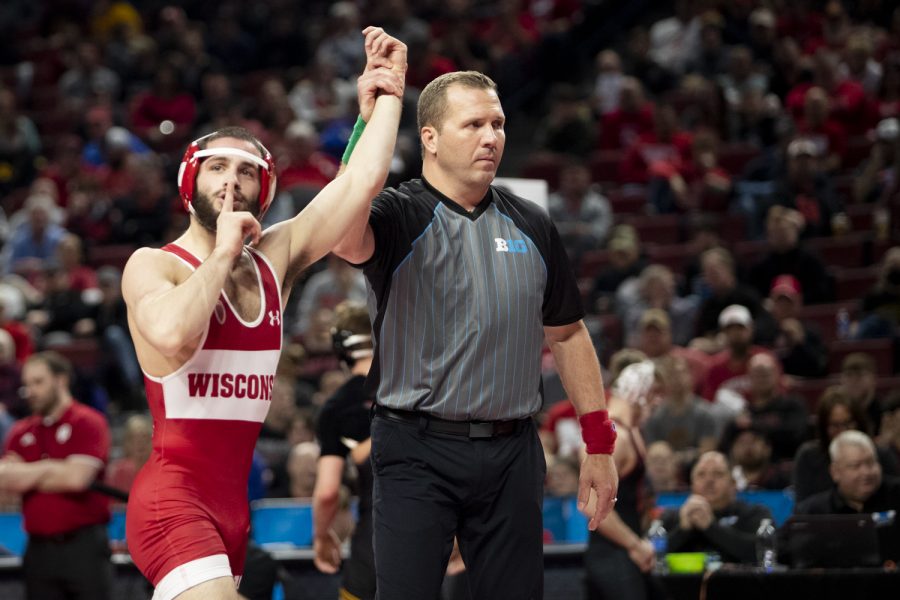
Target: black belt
470 429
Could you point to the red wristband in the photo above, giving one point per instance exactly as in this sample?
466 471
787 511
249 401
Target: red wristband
598 432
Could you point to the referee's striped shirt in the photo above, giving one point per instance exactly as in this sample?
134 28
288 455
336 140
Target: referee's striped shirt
459 300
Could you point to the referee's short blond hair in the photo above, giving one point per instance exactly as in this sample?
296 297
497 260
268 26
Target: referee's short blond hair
432 106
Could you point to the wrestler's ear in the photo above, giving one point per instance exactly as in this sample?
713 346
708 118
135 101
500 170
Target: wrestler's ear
429 137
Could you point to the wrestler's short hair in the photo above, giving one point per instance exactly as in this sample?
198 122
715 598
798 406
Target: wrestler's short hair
238 133
432 107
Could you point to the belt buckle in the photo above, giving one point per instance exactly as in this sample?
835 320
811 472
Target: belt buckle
481 430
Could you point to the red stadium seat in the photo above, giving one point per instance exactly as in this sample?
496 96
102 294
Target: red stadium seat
630 202
83 353
674 256
810 390
734 157
881 351
592 262
116 255
546 166
845 251
852 284
858 149
823 317
861 217
656 229
749 252
605 166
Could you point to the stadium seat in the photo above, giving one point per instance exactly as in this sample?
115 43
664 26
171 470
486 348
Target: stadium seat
749 252
592 262
861 217
810 390
657 229
83 353
858 149
881 351
546 166
674 256
734 157
823 317
845 251
626 202
115 255
852 284
605 166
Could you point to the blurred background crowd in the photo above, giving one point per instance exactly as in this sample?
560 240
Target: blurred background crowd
724 176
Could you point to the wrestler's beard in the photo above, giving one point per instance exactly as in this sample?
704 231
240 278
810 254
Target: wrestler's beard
207 215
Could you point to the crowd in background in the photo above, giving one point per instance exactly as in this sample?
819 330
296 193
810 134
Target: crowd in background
725 176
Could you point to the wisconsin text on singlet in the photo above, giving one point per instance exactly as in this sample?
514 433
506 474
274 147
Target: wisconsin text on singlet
230 385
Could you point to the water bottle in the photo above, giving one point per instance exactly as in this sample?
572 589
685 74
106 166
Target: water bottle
659 539
842 324
766 554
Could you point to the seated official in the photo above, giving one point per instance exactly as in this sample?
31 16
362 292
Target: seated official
859 487
712 519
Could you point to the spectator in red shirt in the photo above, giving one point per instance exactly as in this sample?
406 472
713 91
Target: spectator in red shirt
826 132
661 153
510 32
51 459
730 365
835 30
305 165
426 61
634 117
69 254
165 114
848 98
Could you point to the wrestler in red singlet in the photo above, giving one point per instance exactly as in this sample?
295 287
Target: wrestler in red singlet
205 314
188 515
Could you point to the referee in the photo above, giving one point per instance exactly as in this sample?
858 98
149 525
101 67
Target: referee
466 283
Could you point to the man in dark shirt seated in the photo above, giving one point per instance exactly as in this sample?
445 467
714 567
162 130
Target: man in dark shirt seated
859 487
712 519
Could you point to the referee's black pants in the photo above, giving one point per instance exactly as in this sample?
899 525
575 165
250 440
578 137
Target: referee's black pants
73 566
488 492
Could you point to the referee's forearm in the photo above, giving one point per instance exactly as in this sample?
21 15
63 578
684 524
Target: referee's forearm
579 370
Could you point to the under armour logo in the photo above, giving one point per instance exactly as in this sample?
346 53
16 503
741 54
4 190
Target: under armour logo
274 317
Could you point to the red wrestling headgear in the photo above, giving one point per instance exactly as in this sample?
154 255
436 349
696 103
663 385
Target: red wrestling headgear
187 172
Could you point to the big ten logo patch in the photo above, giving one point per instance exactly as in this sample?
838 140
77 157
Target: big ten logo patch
514 246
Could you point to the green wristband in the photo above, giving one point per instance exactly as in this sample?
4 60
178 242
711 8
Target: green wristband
354 137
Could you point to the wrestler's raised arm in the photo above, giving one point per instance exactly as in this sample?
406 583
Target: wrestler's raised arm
346 201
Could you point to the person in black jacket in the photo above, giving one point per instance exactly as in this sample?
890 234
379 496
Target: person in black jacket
787 256
712 519
859 487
